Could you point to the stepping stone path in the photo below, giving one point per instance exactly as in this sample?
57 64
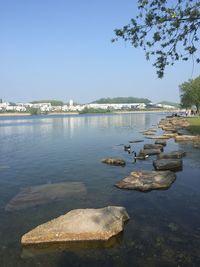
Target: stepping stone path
79 225
147 180
112 161
168 164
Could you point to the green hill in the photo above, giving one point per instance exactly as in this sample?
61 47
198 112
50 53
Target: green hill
119 100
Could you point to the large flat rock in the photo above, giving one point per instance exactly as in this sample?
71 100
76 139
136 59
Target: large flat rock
79 225
172 155
42 194
147 180
114 161
168 164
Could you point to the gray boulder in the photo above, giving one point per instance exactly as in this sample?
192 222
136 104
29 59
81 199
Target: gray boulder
168 164
79 225
172 155
113 161
147 180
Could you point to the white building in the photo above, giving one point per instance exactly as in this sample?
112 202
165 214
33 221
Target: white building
117 106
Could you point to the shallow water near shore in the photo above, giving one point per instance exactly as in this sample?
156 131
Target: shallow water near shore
164 226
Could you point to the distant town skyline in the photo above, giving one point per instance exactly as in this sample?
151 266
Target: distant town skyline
62 50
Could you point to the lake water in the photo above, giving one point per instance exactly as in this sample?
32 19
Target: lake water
164 226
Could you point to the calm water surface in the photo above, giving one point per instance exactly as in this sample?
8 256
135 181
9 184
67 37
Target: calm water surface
164 229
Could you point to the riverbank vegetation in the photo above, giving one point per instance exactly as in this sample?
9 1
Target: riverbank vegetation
190 93
194 125
94 110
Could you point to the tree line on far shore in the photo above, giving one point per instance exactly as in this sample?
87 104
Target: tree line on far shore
190 94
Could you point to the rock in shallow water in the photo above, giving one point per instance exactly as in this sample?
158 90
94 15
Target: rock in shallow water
112 161
42 194
161 142
153 151
153 146
172 155
168 164
79 225
147 180
185 138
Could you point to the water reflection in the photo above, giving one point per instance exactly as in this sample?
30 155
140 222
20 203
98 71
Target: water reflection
71 123
38 249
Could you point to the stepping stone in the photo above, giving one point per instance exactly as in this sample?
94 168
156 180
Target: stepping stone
158 137
113 161
172 155
153 146
161 142
186 138
168 164
149 133
149 152
136 141
147 180
46 193
79 225
170 135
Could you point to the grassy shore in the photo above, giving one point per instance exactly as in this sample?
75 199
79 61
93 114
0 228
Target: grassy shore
194 125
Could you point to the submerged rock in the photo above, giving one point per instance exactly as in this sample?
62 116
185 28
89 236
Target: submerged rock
112 161
172 155
136 141
168 164
158 137
153 146
42 194
79 225
147 180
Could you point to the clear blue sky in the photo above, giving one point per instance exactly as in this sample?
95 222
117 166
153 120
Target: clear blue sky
62 50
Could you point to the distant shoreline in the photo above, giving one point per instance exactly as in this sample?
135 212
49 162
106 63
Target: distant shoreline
76 113
28 114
